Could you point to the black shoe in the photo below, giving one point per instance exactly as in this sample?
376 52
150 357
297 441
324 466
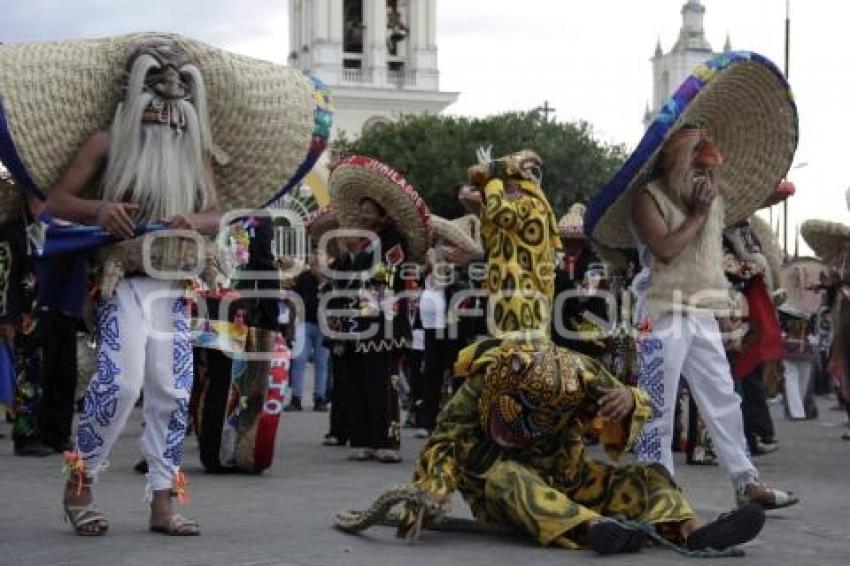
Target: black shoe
294 405
141 467
730 529
320 406
607 536
33 449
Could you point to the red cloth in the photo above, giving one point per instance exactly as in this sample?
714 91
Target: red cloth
764 341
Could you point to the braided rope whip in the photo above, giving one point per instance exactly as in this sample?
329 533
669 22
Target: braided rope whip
649 530
429 514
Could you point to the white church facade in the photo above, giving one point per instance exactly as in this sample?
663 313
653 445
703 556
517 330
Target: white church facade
378 56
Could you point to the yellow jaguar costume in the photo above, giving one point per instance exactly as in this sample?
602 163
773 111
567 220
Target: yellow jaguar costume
549 395
520 237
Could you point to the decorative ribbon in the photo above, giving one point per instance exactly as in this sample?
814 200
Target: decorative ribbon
74 465
181 488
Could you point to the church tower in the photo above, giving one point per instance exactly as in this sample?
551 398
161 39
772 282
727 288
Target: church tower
378 56
670 69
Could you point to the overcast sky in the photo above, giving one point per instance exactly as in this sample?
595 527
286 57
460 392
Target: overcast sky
590 60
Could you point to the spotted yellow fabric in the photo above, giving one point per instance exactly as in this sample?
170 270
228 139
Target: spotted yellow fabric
550 490
520 240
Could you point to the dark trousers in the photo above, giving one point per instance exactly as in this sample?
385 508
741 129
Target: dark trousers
757 420
440 355
413 371
340 396
821 376
59 378
373 410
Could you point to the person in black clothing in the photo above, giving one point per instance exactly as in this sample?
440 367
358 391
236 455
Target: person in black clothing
22 331
370 365
309 341
413 359
338 433
579 274
43 339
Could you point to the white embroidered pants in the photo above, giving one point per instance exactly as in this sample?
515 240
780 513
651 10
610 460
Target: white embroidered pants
142 340
690 345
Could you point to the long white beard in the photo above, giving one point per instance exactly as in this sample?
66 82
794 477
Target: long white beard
160 168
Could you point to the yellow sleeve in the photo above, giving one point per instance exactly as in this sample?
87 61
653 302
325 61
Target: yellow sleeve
616 438
438 468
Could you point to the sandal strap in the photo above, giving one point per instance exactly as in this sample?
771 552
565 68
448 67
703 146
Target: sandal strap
177 525
82 515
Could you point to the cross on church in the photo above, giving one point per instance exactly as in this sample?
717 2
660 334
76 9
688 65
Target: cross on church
545 110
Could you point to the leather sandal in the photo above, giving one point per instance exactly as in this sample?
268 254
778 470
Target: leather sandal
178 526
82 517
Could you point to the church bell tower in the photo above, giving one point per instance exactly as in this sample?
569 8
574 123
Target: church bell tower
670 69
378 56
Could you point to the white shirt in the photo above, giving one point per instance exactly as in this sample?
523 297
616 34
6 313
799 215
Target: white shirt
418 336
432 306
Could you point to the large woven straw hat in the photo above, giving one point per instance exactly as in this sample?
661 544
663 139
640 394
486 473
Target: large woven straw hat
745 103
829 240
358 177
320 222
797 277
770 247
571 224
454 233
471 226
57 94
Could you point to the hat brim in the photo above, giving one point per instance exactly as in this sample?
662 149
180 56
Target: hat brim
358 177
453 235
746 104
320 223
796 277
265 117
829 240
769 245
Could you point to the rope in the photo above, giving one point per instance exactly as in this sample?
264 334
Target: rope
649 530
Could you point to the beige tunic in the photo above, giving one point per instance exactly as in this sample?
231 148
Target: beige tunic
694 280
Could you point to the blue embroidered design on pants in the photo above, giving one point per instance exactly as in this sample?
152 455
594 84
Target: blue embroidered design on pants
182 369
108 334
87 439
651 380
101 399
182 365
176 432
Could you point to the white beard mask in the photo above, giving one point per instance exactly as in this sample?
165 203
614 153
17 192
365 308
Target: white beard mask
159 165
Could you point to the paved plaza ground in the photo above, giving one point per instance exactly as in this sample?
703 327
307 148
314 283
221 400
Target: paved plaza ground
283 517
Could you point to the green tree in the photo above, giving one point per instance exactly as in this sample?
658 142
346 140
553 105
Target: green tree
433 153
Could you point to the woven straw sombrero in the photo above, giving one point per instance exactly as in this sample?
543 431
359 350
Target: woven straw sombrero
829 240
746 104
796 278
770 248
571 224
56 94
471 226
454 233
358 177
321 221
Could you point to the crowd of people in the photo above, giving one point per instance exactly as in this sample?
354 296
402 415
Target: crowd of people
657 318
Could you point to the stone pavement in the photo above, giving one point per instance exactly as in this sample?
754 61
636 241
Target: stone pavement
283 516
